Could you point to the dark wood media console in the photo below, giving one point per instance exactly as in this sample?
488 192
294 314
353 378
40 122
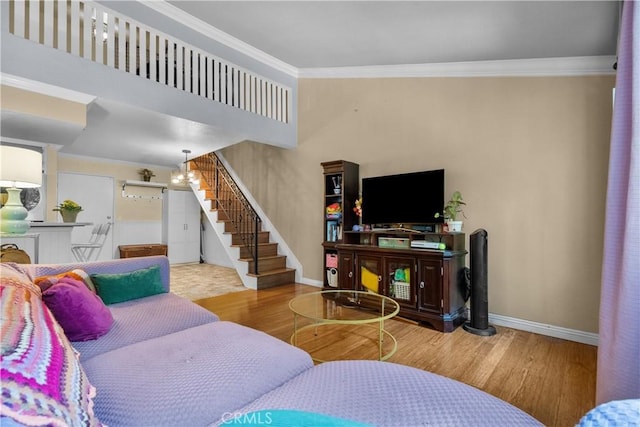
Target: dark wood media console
429 284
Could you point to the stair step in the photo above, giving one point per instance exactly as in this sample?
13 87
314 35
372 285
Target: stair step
273 278
264 250
263 237
268 263
204 186
229 227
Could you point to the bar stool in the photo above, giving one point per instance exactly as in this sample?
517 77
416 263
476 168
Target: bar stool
90 251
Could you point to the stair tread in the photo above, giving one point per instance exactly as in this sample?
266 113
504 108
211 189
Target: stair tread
259 244
263 258
272 272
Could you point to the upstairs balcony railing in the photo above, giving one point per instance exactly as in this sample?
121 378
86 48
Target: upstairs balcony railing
91 31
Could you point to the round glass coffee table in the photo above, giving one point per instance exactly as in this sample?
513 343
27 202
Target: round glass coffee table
329 322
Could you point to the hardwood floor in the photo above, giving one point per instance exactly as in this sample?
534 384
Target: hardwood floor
549 378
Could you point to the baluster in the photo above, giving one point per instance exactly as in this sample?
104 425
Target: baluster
132 45
242 81
19 18
179 67
143 52
48 24
188 70
223 83
269 100
87 31
122 44
210 66
252 93
263 97
236 88
98 36
110 42
171 58
33 23
153 57
69 35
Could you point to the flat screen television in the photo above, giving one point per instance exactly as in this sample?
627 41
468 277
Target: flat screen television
409 198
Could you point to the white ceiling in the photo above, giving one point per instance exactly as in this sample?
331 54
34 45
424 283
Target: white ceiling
317 35
313 34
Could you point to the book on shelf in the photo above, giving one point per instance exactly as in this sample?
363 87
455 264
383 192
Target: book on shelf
334 231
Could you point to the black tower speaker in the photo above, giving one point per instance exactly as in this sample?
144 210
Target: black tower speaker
479 323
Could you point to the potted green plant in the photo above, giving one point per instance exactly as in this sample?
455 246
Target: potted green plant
69 210
146 174
451 210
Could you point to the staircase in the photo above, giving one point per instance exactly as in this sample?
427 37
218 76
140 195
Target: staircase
231 214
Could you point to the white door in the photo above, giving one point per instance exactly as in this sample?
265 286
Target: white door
181 226
95 195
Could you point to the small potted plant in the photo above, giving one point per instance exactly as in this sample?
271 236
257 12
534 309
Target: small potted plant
146 174
69 210
451 210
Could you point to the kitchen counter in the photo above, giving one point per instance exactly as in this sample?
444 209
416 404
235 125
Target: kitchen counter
38 224
54 241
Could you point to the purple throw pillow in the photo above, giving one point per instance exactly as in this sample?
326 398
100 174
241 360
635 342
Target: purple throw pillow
81 313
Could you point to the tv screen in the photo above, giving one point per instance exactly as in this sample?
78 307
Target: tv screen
410 198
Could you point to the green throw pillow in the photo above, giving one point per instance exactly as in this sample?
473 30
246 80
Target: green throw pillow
114 288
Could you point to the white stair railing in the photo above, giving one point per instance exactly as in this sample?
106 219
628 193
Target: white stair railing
91 31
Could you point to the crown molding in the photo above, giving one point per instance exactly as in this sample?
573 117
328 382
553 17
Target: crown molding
538 67
572 66
46 89
220 36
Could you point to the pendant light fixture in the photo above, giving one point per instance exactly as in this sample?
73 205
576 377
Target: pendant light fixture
185 176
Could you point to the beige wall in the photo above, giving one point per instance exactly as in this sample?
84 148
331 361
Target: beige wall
529 155
126 209
37 104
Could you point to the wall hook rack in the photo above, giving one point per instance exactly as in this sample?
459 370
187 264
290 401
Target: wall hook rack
134 183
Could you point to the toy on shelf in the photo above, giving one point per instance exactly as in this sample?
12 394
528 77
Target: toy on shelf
334 211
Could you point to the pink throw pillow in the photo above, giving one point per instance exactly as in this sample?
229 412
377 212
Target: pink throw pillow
81 313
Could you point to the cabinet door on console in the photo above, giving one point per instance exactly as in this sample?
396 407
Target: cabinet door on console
370 273
430 286
399 281
346 270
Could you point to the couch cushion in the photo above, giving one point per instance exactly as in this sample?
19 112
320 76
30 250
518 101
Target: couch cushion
121 287
81 313
383 393
109 266
614 413
145 318
192 377
42 380
45 282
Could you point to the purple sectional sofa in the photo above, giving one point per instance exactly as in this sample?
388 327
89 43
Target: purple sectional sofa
165 361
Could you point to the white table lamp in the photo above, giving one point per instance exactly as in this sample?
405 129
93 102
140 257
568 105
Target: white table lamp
19 168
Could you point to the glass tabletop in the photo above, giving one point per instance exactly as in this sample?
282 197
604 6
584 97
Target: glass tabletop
344 306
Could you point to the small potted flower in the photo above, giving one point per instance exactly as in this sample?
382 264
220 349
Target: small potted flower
146 174
69 210
451 210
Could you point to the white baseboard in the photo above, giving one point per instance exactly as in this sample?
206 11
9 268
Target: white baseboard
524 325
311 282
544 329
